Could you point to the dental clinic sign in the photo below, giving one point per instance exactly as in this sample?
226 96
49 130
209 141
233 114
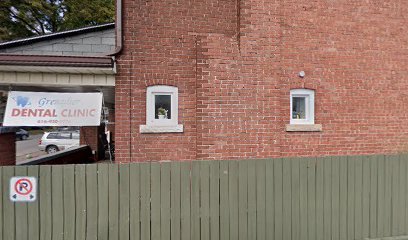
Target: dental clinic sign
53 109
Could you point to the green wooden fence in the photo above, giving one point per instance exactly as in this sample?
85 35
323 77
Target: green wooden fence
299 198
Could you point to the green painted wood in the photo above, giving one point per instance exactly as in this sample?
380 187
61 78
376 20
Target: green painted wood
405 159
145 201
395 206
295 203
134 202
334 216
381 197
232 198
252 234
21 211
57 199
278 194
303 197
80 202
155 200
351 163
224 201
373 162
91 201
358 207
388 197
175 201
69 201
205 200
103 201
45 203
286 199
366 198
260 200
343 198
8 206
165 201
185 200
124 202
319 201
401 195
195 201
113 205
214 200
311 198
8 210
32 208
1 202
327 197
269 200
243 199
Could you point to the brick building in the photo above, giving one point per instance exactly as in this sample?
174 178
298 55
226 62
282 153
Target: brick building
259 79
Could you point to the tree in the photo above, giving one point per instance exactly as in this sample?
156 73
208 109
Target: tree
25 18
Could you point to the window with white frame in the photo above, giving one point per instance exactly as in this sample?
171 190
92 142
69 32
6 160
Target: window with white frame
161 110
301 106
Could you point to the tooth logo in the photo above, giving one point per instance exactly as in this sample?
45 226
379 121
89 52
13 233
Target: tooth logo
22 101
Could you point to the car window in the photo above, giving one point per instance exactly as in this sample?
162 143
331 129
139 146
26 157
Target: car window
52 136
64 136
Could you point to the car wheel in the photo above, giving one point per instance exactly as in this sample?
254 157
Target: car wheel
24 137
52 149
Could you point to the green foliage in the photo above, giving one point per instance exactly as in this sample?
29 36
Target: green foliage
24 18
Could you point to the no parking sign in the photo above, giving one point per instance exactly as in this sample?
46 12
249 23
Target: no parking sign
23 189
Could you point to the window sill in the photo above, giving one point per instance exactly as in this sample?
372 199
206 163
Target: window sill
303 127
161 129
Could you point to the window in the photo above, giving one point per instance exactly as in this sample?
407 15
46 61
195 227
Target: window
302 111
301 106
161 110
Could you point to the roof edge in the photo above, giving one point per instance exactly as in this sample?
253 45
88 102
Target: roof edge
24 41
61 61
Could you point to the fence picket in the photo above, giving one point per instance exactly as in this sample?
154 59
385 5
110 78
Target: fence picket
134 202
243 200
45 203
57 187
145 201
103 201
195 201
214 200
80 203
124 202
21 211
185 193
69 201
252 200
165 201
175 200
204 200
155 200
269 200
260 200
286 200
224 201
91 202
32 208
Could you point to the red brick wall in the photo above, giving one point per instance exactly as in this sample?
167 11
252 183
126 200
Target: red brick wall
7 149
235 62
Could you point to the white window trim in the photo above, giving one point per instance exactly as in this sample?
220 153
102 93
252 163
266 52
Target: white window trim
309 105
161 125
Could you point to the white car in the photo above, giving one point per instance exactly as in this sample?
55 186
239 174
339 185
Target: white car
52 142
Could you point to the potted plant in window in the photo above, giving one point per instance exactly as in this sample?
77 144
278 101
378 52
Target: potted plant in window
162 113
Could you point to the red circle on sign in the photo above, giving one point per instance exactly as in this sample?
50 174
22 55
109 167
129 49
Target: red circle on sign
19 187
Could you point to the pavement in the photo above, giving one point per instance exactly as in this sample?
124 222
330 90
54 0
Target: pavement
26 149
